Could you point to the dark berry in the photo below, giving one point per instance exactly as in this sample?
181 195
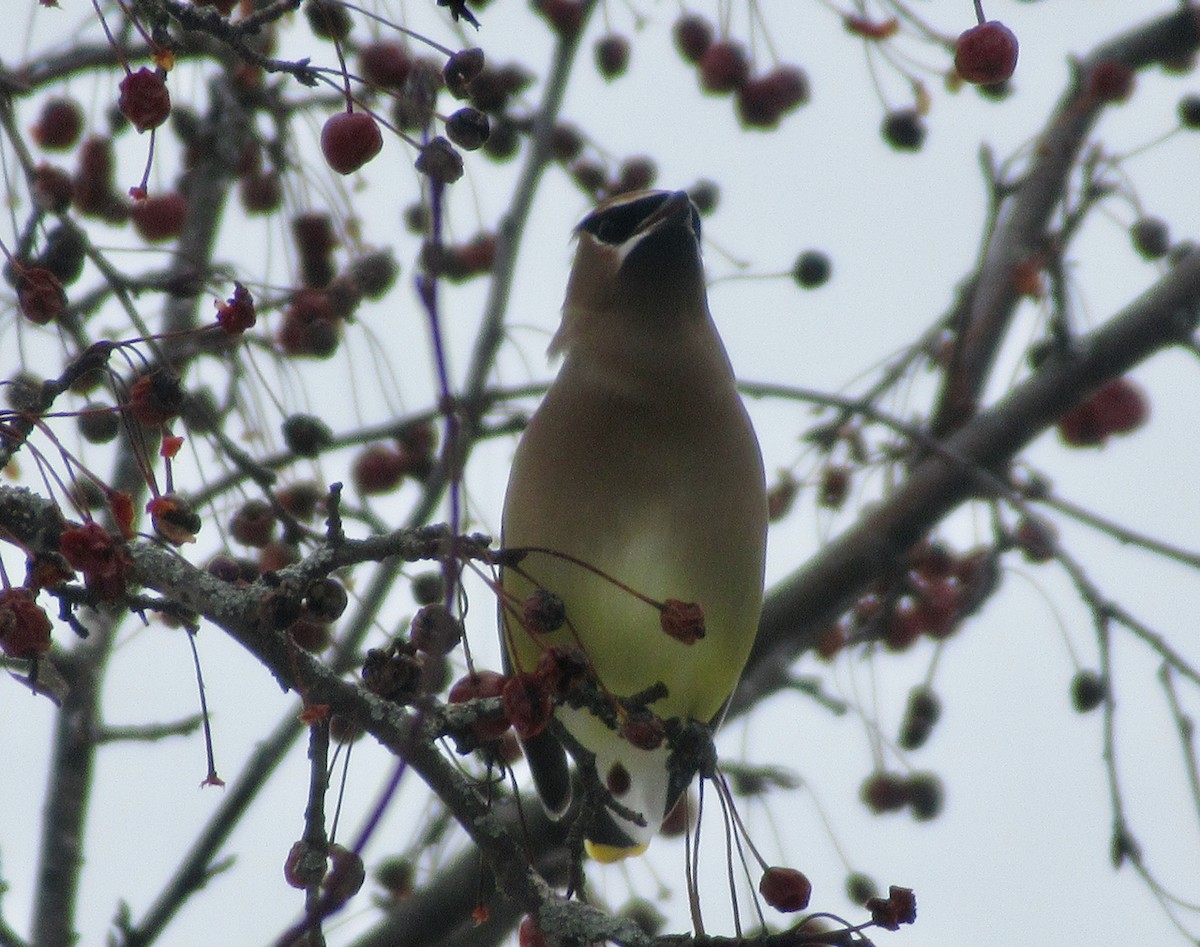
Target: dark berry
811 269
904 130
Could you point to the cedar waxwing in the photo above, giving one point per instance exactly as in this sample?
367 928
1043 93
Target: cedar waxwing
638 473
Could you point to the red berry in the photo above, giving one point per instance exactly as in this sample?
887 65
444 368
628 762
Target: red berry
144 99
346 875
236 314
527 704
349 140
724 67
1121 406
764 100
529 934
1036 538
383 64
885 792
986 54
253 524
159 217
904 626
612 55
59 125
40 295
1117 407
52 188
693 36
1110 81
380 468
260 192
636 174
564 16
785 889
24 625
481 684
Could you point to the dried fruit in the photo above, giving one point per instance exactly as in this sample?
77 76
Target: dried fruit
785 889
144 99
24 625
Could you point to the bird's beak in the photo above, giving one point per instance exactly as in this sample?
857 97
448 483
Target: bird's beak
675 208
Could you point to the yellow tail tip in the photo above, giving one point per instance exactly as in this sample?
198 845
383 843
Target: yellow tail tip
607 854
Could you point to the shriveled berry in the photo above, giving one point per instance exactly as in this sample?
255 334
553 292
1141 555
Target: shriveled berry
24 625
440 161
349 140
144 99
785 889
527 704
986 54
468 128
40 295
375 273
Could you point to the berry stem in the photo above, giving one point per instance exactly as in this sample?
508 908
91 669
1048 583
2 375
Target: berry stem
979 12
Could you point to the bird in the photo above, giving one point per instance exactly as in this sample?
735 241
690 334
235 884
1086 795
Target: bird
638 481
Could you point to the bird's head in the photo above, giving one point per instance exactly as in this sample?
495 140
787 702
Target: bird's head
637 267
